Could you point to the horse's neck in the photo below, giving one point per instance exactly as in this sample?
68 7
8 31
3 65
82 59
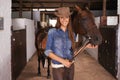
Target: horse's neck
43 43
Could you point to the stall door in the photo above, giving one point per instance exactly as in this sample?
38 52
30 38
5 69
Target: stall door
107 50
18 42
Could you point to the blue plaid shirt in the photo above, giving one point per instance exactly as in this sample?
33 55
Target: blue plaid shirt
59 43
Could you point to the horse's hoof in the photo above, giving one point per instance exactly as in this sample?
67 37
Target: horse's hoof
48 77
39 74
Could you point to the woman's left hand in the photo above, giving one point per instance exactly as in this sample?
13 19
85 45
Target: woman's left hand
91 46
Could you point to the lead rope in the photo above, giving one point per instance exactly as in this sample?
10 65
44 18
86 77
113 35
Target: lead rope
81 49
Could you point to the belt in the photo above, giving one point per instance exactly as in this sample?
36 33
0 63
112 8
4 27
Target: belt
57 65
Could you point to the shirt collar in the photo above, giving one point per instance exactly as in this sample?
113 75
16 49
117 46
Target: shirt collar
62 30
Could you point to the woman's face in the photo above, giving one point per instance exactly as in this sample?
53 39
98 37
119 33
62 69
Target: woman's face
64 21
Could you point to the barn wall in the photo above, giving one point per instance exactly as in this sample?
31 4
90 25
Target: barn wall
98 13
36 15
27 14
30 38
20 23
5 40
93 52
118 51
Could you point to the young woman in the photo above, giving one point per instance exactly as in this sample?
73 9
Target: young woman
60 46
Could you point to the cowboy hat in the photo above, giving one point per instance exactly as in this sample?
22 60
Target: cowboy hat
63 12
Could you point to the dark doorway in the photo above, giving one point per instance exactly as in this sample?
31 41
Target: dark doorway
107 50
18 59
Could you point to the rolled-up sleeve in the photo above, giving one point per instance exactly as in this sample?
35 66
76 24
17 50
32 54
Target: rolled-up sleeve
47 52
49 44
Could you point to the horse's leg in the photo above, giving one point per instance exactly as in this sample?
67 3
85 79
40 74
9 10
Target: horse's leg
43 59
39 58
48 70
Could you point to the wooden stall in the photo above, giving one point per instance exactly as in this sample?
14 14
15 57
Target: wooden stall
18 56
107 51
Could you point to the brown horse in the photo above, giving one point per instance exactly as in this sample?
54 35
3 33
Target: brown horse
83 24
40 43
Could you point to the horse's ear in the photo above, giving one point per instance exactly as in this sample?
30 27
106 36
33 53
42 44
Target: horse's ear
78 8
87 8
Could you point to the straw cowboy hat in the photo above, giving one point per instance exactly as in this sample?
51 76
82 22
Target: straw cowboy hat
63 12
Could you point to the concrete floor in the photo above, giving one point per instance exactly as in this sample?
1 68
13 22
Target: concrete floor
86 68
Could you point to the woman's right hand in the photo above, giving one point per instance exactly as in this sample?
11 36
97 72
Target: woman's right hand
91 46
67 63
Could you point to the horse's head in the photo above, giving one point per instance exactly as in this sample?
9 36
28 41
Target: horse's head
84 24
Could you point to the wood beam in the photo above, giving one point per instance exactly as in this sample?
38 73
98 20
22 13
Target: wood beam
78 1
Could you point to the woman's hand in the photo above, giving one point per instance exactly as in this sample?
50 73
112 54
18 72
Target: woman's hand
67 63
91 46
